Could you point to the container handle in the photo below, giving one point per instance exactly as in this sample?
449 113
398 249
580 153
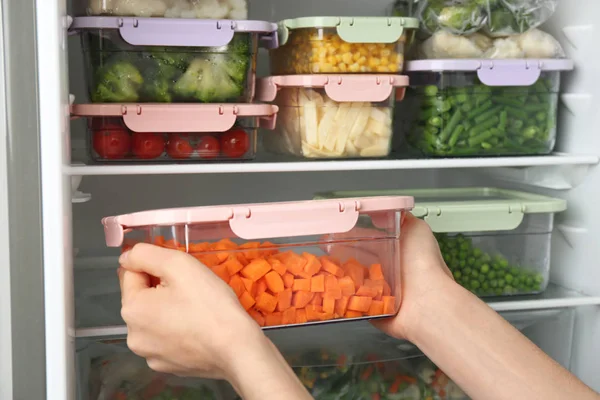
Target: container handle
463 220
359 89
370 30
509 73
219 118
308 219
188 33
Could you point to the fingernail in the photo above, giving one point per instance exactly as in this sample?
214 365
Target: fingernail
123 257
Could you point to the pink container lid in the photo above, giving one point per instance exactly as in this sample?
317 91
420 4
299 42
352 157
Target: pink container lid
340 88
259 221
176 118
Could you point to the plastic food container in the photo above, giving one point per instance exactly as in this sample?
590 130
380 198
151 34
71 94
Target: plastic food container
289 263
332 116
154 60
496 242
203 9
174 133
324 45
461 108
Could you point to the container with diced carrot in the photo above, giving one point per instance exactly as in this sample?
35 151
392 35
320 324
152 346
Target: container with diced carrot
342 45
288 263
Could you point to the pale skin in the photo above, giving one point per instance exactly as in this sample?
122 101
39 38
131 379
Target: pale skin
192 325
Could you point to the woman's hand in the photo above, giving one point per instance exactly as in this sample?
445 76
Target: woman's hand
191 323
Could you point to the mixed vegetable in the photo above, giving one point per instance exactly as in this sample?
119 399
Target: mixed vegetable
121 73
112 141
280 287
467 118
485 274
205 9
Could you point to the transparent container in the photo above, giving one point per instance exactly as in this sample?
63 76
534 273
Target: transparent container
171 61
289 263
202 9
466 108
496 242
328 116
175 133
349 45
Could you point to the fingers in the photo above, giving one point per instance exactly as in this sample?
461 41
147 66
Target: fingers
132 282
153 260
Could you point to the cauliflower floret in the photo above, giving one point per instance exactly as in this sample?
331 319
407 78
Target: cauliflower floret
141 8
212 9
505 48
239 9
446 45
538 44
98 7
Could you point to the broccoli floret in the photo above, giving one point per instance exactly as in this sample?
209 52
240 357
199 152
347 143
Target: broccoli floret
157 90
239 45
206 80
117 82
179 60
237 68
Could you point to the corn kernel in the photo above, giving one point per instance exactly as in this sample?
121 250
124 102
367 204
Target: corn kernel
347 58
393 67
371 47
339 58
374 62
343 67
383 69
335 69
386 53
331 60
345 47
354 68
384 61
362 60
326 68
356 56
364 69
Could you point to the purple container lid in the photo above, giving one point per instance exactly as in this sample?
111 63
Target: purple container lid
179 31
522 72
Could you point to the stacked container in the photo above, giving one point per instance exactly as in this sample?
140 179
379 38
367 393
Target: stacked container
207 67
484 82
335 80
496 242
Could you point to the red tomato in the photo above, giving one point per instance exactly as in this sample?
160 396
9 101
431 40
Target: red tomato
148 145
179 147
105 123
112 143
208 147
235 143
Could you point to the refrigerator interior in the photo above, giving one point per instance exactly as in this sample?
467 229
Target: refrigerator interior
564 321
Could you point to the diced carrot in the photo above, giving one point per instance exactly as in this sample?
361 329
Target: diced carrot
366 374
289 316
341 305
233 265
389 304
246 301
251 253
235 282
367 291
317 300
227 246
332 287
331 267
266 302
301 316
387 290
273 319
221 272
317 284
329 304
198 247
347 285
301 284
293 262
256 269
277 266
353 314
376 308
258 317
356 272
324 316
242 258
376 272
272 249
284 300
288 280
359 303
210 260
377 285
248 284
274 282
313 265
261 287
313 314
302 298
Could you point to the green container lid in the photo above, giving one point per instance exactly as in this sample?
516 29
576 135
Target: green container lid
353 29
468 209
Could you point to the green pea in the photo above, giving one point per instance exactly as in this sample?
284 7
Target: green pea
485 268
508 278
457 274
431 90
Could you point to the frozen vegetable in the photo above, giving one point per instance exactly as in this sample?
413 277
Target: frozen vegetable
497 17
159 74
483 273
478 120
281 287
532 44
312 125
314 51
203 9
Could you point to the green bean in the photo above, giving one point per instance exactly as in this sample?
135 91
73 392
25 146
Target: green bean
506 101
488 114
476 140
456 135
449 128
491 122
481 109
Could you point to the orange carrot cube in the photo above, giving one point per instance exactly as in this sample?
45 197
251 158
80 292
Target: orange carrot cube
376 308
246 301
256 269
302 298
284 300
317 284
235 282
274 282
360 303
266 302
301 284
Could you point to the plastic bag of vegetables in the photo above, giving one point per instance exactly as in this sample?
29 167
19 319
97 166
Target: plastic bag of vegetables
496 17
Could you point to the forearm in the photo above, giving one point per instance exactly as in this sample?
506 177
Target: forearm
486 356
263 374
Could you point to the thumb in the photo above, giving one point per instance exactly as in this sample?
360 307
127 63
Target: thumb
132 282
153 260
